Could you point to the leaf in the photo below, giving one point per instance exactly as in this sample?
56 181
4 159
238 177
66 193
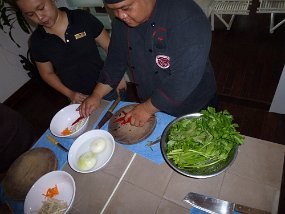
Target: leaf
8 15
203 141
1 4
4 17
11 37
23 23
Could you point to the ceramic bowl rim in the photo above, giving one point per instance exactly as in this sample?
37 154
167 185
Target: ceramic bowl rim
77 141
73 133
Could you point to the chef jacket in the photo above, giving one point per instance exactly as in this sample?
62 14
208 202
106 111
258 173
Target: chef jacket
77 61
168 57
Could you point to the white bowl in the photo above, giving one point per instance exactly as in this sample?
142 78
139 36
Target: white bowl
65 184
64 118
82 145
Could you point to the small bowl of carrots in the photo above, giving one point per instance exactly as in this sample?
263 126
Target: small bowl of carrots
54 190
68 123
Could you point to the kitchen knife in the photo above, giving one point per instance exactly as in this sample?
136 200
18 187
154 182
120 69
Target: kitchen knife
51 139
109 113
218 206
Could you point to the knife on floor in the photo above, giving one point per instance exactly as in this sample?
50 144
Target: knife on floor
109 113
217 206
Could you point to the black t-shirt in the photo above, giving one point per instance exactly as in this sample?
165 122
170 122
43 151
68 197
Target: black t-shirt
77 61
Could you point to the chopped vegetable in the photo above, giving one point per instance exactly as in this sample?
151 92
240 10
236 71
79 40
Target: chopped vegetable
52 205
122 119
198 144
73 128
51 192
98 145
66 131
86 161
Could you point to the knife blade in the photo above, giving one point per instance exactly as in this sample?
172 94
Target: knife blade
109 113
217 206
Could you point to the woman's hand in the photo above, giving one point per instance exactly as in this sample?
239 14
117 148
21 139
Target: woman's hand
77 97
90 104
141 113
122 86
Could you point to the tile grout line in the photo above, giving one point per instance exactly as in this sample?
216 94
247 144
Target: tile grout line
119 182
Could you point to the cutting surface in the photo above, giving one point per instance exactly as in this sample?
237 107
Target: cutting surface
26 170
123 132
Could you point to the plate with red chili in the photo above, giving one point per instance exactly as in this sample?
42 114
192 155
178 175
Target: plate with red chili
125 133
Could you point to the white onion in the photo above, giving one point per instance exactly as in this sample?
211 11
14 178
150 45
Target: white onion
98 145
86 161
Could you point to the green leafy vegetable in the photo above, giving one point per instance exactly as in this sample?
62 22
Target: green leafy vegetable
203 144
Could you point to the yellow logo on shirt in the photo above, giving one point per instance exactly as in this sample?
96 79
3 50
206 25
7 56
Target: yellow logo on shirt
80 35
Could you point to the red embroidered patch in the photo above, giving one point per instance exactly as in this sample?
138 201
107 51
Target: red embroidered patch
162 61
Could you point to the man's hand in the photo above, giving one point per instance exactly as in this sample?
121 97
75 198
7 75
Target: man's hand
90 104
141 113
77 97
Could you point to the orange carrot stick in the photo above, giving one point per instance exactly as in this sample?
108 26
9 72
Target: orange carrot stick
66 131
51 192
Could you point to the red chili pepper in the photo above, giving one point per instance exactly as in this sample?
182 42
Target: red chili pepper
123 120
119 119
128 121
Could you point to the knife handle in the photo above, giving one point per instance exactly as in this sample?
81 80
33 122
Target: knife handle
248 210
51 139
115 103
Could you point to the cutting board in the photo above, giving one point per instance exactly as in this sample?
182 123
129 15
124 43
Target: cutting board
26 170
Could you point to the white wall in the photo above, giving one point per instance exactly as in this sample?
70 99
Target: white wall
12 73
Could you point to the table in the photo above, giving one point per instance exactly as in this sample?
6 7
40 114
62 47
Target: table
130 183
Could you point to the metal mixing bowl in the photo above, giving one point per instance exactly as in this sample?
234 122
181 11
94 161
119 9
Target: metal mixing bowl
210 172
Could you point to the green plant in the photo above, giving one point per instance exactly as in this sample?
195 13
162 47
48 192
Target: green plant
9 15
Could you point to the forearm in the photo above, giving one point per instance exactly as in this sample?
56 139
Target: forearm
149 107
53 80
103 40
101 90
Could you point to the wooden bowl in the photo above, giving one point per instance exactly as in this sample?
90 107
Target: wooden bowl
26 170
